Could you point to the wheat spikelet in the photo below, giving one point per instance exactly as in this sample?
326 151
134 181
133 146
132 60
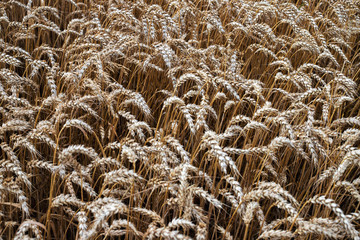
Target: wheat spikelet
63 200
67 152
13 164
350 188
333 206
349 159
79 124
25 227
121 175
277 234
210 141
203 194
102 214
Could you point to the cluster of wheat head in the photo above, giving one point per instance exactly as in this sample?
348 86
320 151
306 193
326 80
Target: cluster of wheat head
195 119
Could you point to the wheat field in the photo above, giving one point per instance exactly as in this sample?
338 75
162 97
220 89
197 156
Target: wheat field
194 119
